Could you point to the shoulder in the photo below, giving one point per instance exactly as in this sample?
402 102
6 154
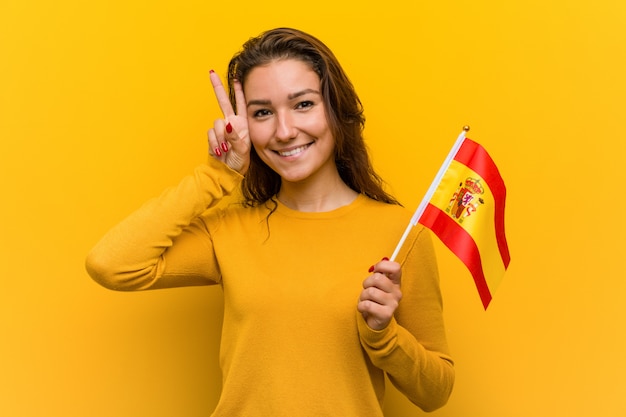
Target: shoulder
397 219
233 210
392 212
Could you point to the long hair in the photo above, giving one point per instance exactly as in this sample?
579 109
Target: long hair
344 112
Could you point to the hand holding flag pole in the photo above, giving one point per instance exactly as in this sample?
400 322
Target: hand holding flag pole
464 207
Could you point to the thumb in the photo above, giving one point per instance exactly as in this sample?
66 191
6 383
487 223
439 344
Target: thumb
238 156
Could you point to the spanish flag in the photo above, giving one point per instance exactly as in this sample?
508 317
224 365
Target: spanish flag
464 207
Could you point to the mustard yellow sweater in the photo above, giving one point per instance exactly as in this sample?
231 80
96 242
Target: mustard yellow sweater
293 343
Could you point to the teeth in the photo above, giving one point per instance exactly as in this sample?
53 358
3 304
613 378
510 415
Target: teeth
293 151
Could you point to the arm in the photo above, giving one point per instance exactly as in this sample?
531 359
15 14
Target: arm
412 347
164 243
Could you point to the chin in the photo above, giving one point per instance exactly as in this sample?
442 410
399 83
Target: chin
293 178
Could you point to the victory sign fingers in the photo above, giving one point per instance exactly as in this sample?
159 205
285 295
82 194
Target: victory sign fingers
229 139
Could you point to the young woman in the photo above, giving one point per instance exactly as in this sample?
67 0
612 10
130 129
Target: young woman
310 328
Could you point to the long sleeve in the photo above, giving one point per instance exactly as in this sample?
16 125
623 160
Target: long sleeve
165 243
412 350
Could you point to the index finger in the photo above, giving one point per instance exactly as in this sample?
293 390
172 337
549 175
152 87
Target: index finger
391 269
221 95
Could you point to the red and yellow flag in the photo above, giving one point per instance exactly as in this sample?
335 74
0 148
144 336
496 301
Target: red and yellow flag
465 209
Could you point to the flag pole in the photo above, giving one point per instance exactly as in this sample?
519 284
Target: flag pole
431 190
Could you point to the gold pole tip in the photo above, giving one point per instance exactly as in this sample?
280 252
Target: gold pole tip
466 128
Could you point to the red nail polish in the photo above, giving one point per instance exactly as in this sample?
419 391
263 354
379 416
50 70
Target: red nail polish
385 259
211 71
371 269
225 146
218 152
229 128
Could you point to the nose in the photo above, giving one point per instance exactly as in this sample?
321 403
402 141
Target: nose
285 127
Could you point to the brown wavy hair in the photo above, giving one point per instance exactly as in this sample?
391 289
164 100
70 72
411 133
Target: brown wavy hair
344 112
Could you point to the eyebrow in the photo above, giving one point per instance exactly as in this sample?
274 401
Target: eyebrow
290 97
303 92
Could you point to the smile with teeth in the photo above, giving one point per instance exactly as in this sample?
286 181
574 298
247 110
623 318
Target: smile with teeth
294 151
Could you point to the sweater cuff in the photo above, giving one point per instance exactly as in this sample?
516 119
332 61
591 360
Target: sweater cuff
378 342
228 178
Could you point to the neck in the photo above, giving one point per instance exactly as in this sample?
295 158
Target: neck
317 197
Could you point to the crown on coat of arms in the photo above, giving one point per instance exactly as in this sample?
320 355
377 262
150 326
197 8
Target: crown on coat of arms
474 186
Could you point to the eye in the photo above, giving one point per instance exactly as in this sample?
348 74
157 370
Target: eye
261 113
304 104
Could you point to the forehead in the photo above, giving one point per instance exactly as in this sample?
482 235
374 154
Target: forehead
282 77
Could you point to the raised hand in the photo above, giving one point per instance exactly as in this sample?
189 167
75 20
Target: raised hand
381 294
229 138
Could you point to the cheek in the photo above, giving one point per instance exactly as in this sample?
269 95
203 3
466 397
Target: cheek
317 126
259 140
260 134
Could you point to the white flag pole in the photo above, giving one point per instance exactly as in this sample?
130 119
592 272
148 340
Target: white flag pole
431 190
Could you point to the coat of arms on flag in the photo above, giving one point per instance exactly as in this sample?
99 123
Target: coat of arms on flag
466 199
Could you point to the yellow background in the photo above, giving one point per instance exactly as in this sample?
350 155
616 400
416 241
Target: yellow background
105 103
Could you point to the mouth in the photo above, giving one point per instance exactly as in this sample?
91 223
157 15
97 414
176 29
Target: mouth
294 151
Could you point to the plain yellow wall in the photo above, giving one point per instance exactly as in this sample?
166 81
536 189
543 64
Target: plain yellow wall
105 103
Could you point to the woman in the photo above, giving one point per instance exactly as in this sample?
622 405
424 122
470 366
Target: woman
308 329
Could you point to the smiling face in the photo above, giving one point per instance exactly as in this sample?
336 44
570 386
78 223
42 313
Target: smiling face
287 121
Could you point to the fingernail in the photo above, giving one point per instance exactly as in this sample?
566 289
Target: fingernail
385 259
371 269
218 152
225 146
229 128
211 71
